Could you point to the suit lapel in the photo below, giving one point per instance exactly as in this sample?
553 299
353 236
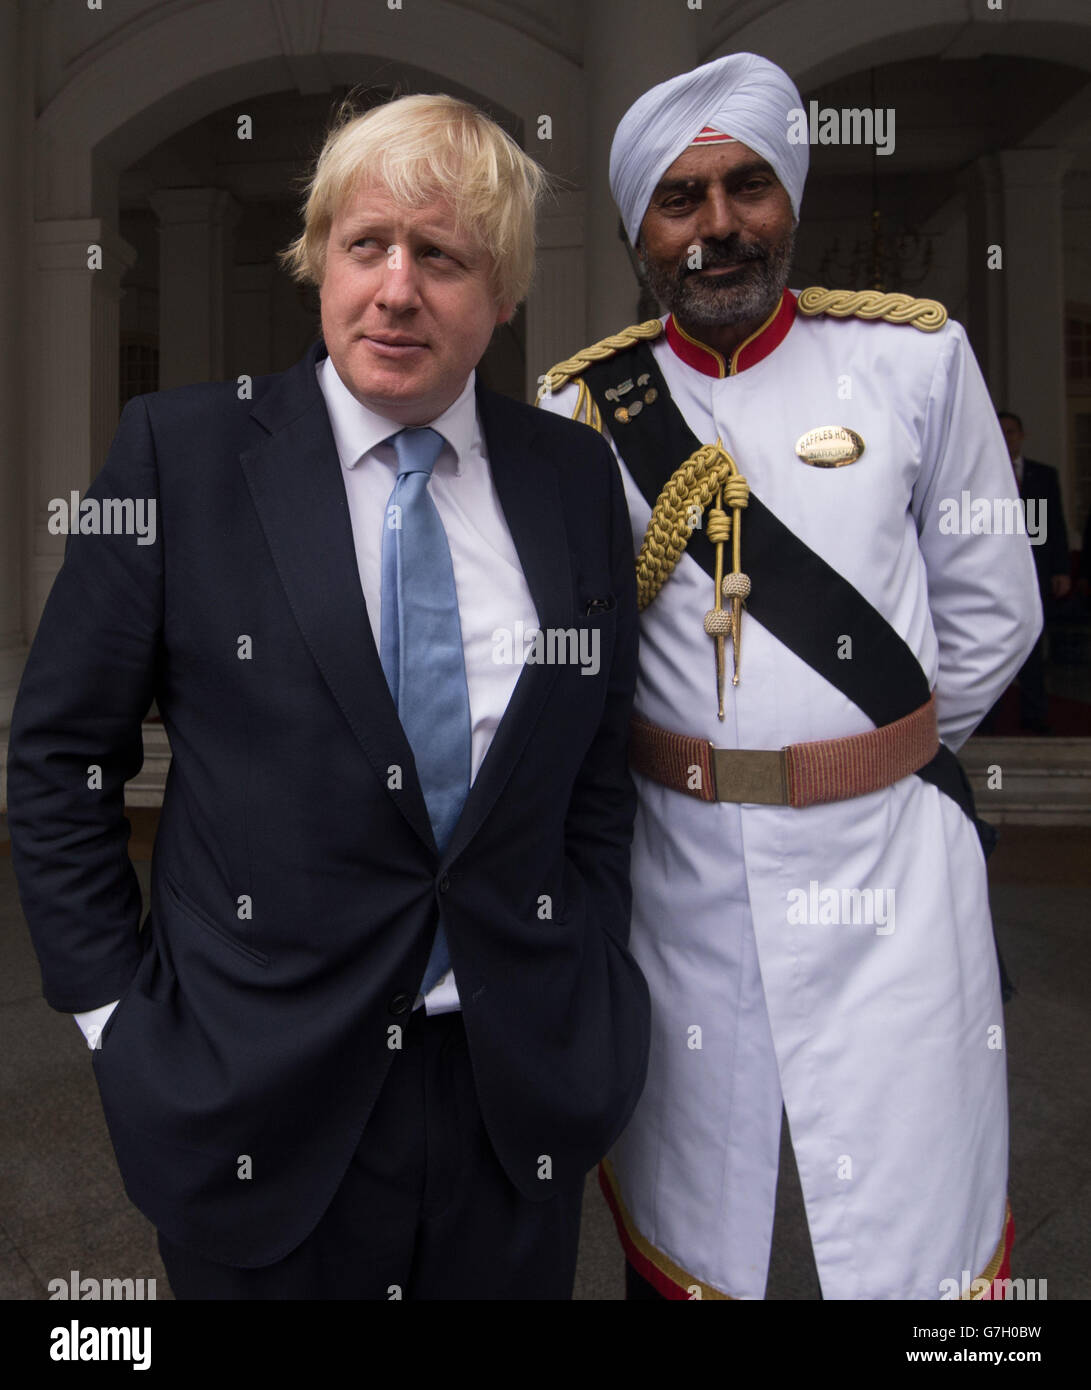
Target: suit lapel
526 484
294 477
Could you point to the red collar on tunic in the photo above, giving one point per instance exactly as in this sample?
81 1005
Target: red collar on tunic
758 346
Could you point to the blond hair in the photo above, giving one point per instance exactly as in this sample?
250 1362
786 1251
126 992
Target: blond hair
418 148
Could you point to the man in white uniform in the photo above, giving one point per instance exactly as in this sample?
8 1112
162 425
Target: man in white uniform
813 922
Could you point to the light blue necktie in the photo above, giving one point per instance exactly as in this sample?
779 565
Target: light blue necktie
421 647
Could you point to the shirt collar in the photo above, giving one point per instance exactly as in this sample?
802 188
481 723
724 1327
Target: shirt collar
357 429
748 354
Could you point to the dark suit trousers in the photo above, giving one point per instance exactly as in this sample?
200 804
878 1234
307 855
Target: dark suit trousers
425 1209
1033 704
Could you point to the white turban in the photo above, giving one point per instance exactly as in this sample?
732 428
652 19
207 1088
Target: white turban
740 95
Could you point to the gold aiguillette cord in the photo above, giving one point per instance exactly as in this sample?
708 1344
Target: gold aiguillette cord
736 585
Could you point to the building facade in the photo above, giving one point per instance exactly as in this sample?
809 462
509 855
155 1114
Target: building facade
151 153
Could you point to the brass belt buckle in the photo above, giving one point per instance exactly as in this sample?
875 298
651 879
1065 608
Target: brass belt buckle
753 775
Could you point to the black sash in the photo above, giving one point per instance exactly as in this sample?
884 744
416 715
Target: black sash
804 602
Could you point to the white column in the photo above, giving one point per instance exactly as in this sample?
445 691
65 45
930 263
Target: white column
250 330
986 316
556 308
195 246
630 45
74 382
15 135
1033 273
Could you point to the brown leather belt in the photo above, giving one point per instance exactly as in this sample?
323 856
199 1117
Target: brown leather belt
803 774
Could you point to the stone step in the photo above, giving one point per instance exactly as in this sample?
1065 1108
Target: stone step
1030 781
147 787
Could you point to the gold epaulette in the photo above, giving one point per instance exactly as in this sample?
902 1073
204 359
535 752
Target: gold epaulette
569 370
928 315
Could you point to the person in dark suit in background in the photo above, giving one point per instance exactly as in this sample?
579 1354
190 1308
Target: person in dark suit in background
1038 481
381 1018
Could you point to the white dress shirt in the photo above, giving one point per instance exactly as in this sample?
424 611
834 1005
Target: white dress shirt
489 583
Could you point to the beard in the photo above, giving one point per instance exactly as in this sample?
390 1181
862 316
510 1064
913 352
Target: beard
748 294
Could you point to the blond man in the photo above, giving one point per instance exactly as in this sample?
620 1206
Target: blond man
381 1018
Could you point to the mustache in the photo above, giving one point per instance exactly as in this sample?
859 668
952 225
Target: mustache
730 251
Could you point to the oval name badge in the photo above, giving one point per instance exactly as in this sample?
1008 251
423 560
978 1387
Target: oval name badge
830 446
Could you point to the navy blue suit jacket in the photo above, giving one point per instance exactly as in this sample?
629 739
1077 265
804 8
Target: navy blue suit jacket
295 885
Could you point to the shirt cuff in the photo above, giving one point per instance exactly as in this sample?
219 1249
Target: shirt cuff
442 998
93 1021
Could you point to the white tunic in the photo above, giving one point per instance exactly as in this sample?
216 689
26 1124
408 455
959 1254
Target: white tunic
883 1037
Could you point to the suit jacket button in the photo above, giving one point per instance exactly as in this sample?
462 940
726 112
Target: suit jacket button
401 1004
444 884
